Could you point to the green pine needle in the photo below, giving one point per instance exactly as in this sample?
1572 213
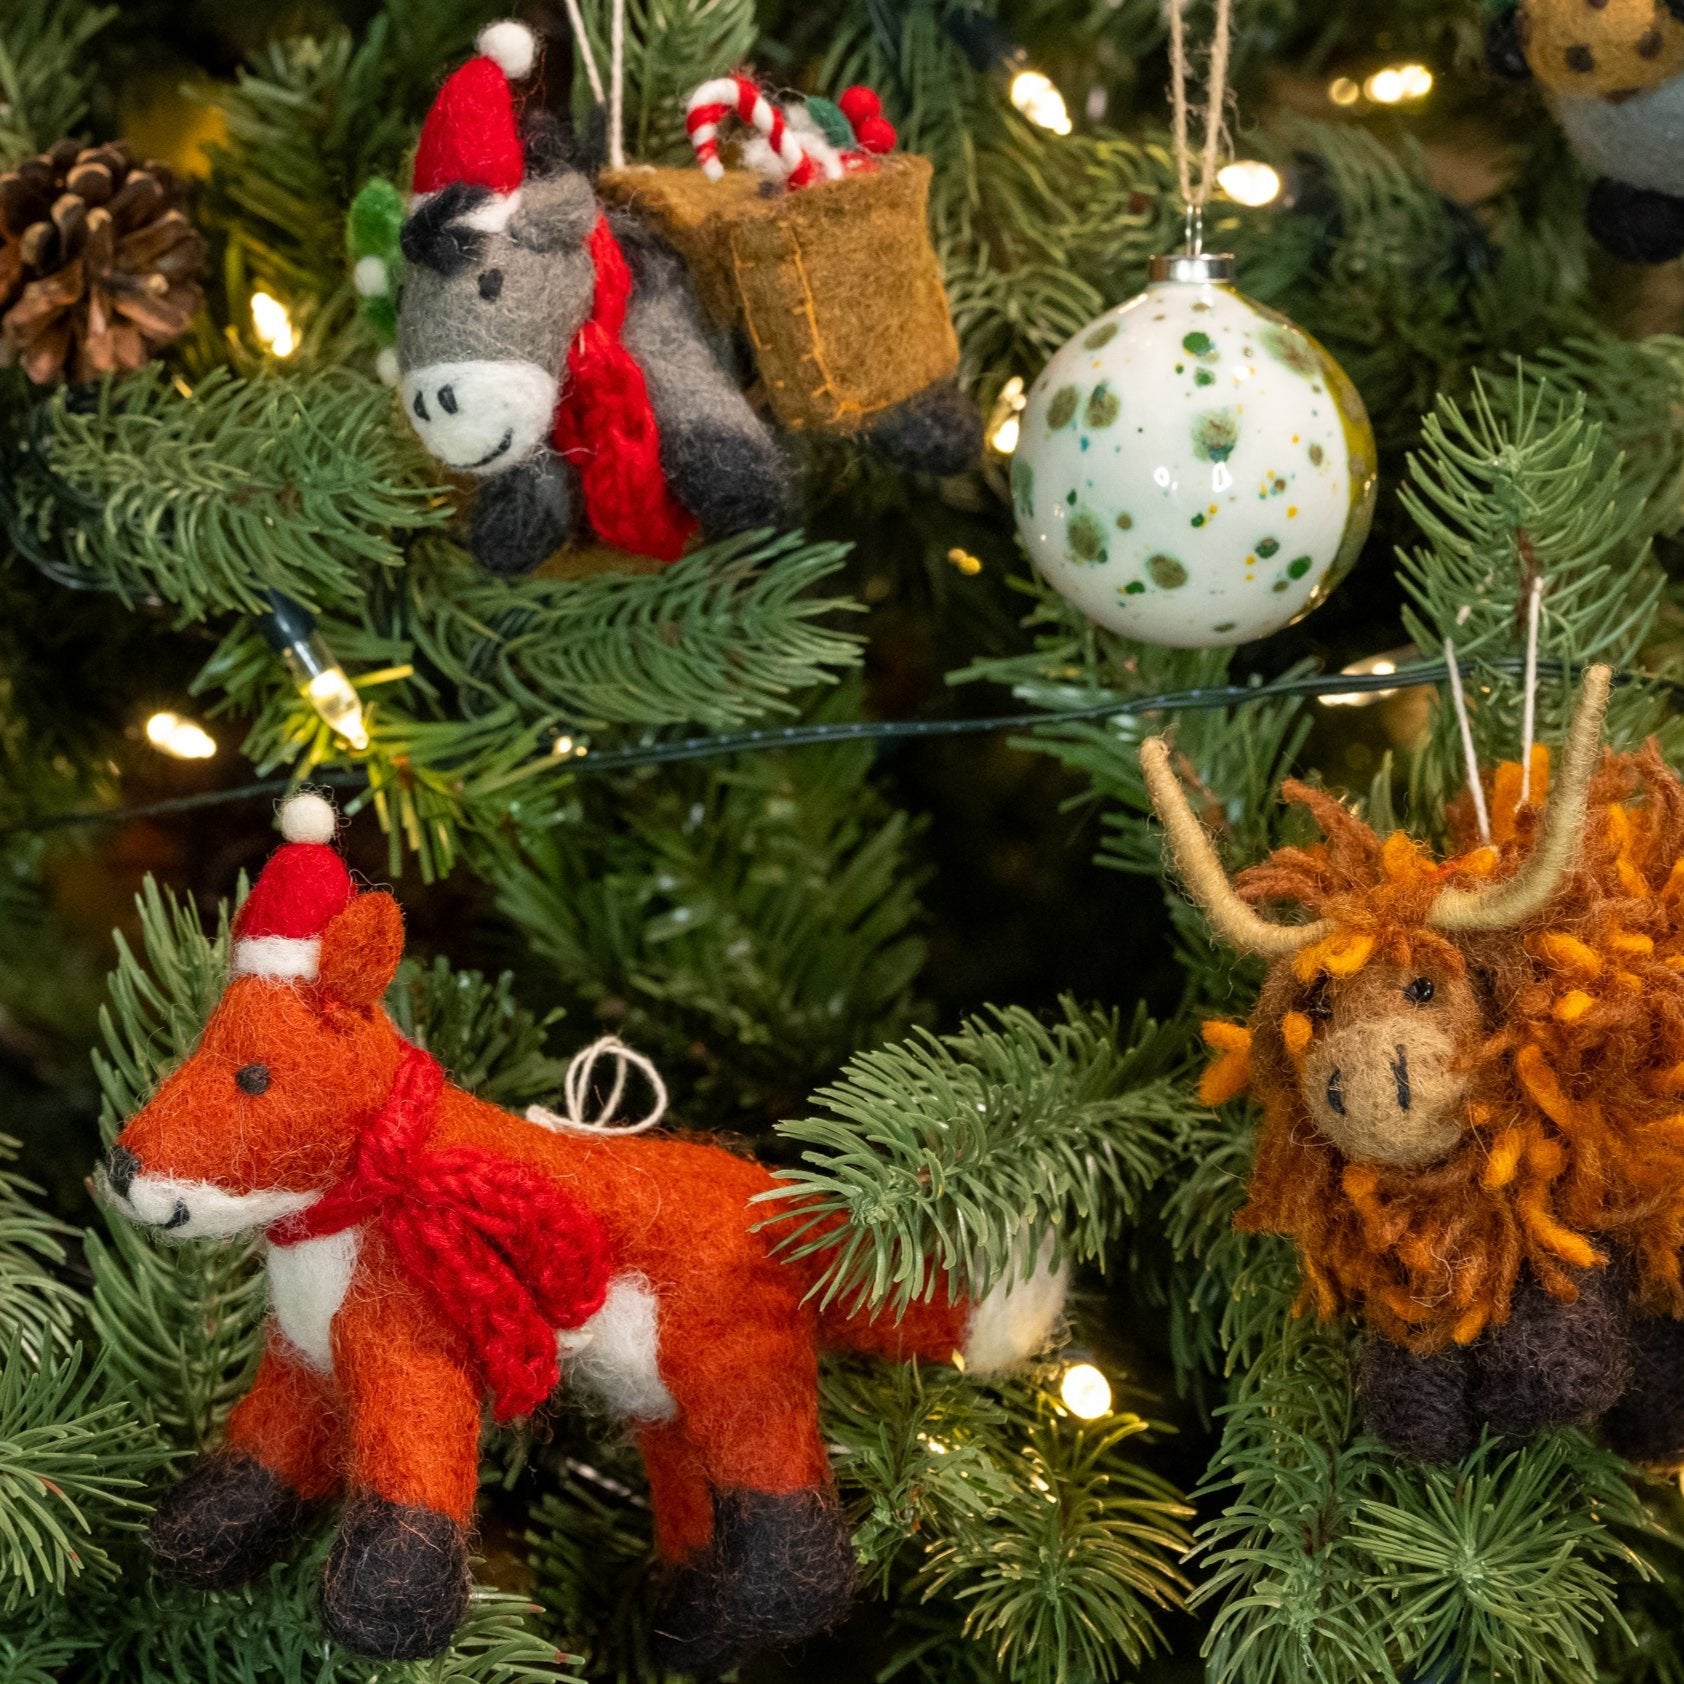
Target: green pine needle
957 1157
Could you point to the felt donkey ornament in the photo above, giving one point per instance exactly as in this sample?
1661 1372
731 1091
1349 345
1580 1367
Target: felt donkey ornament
1470 1072
557 353
427 1251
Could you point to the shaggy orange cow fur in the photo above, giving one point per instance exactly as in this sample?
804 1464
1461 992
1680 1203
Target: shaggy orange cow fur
1572 1151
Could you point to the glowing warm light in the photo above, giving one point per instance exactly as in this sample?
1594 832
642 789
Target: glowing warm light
1379 664
1004 427
1343 91
1086 1392
335 698
171 734
1248 182
1037 98
272 324
569 748
968 564
1398 83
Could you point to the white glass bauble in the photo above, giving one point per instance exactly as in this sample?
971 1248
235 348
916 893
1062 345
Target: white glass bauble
1192 469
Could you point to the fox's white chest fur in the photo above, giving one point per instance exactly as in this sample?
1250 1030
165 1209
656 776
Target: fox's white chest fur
307 1284
614 1356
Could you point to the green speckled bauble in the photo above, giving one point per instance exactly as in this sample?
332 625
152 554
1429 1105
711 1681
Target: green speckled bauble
1192 469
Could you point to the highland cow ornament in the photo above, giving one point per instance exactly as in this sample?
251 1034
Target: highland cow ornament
1472 1080
428 1253
556 353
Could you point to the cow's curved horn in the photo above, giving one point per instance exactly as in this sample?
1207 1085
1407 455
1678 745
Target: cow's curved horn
1239 925
1500 906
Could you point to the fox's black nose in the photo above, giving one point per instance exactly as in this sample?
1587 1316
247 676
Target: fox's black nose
121 1167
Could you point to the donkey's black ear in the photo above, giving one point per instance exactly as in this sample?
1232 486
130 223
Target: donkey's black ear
435 237
547 143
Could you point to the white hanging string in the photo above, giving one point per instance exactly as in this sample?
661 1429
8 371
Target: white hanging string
576 1092
1461 704
582 44
617 87
1195 196
1529 694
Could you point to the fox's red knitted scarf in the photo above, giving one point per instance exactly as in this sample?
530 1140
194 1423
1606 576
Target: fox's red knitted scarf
504 1255
605 424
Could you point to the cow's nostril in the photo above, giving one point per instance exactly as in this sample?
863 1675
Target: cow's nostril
447 399
420 407
1336 1094
121 1167
1400 1075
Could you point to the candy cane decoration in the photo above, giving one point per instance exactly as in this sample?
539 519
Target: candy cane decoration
713 102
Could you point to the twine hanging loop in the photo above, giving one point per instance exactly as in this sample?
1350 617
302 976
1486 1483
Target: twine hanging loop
576 1092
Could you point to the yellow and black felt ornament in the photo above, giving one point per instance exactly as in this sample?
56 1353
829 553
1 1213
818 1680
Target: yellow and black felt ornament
1613 72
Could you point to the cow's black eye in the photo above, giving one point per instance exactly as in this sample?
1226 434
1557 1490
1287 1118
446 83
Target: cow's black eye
1318 1004
491 285
1420 991
253 1078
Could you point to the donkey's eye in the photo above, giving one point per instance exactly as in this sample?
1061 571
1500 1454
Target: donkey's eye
253 1078
1420 991
491 285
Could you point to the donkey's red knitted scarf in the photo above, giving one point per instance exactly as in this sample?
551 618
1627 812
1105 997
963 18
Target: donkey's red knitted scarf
503 1253
605 424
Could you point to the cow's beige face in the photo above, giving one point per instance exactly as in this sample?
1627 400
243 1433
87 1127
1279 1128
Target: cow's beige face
1383 1059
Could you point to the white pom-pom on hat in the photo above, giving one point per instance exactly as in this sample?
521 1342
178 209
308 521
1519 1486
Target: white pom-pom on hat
511 46
307 817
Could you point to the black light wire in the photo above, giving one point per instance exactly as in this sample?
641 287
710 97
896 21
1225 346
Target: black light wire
762 740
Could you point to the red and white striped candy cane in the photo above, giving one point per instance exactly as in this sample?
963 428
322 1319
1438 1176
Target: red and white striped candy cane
714 101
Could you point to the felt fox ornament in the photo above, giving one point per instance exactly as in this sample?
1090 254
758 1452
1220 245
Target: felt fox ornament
429 1254
1470 1071
555 352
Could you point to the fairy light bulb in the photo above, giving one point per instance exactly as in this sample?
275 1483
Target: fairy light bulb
1249 182
1004 426
1085 1391
181 739
1398 84
290 631
1036 96
272 325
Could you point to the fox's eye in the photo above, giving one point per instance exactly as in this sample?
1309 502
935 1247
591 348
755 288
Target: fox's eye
253 1078
1420 991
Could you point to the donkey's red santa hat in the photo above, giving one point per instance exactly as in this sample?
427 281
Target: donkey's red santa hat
472 132
278 931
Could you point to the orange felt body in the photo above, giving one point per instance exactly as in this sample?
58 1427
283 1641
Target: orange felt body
400 1413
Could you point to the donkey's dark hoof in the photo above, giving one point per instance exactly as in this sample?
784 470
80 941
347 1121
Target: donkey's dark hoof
224 1523
396 1583
1647 1425
732 479
1419 1406
780 1569
1553 1364
937 432
522 517
1635 223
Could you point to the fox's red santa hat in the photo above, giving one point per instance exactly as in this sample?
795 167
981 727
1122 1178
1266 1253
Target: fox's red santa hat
278 931
472 133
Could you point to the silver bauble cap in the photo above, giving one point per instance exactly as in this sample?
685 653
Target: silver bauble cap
1192 267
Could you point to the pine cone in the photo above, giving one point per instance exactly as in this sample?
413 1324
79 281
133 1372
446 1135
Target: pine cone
98 264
